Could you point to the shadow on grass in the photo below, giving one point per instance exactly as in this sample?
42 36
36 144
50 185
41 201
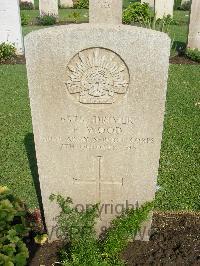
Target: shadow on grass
31 154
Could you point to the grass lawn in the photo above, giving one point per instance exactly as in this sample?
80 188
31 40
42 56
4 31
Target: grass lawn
125 3
64 15
178 173
178 33
15 126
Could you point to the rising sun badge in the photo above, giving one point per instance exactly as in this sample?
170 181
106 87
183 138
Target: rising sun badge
97 76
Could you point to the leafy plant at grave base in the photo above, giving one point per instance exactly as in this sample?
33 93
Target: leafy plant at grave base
46 20
137 13
24 19
13 228
26 5
80 4
82 248
193 54
7 52
75 16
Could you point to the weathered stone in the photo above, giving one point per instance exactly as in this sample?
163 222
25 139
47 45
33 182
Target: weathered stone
97 96
105 11
10 24
48 7
164 8
66 3
194 29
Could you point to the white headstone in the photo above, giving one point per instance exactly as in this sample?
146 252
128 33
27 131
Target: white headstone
164 8
48 7
10 24
105 11
194 29
150 2
97 110
66 3
184 1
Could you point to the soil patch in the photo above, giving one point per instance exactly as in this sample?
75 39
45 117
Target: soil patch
175 240
43 255
182 60
19 59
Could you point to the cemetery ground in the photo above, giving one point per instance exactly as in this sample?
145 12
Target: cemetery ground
176 221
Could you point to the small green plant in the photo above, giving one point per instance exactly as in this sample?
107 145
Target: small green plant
26 5
24 19
82 247
81 4
41 239
75 16
7 52
164 23
193 54
46 20
13 228
137 13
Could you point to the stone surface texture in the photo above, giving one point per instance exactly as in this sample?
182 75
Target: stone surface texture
10 24
105 11
97 95
48 7
164 8
194 28
66 3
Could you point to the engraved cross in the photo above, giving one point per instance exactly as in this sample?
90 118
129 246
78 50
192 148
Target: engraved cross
99 180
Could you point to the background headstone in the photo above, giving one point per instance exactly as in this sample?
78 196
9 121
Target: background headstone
97 111
105 11
184 1
48 7
164 8
10 24
66 3
194 28
150 2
